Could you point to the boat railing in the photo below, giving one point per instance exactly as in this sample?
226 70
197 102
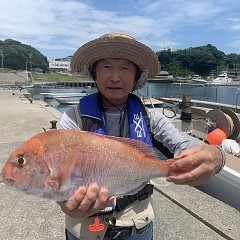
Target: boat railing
143 97
237 94
210 94
181 85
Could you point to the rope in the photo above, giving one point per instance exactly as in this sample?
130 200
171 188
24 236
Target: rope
230 123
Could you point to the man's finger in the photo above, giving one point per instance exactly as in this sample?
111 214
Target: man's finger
90 197
77 197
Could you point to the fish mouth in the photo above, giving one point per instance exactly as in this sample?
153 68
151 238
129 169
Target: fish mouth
7 181
11 183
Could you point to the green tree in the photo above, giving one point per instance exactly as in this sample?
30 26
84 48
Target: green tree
17 54
199 60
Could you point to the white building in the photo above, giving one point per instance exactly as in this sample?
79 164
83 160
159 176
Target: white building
60 65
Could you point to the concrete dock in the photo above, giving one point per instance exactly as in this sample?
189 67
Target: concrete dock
182 212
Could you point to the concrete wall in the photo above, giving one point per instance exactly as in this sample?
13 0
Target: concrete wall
14 78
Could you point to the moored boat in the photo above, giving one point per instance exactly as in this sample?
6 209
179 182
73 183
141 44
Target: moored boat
26 86
224 80
48 85
203 115
63 95
198 79
69 100
163 76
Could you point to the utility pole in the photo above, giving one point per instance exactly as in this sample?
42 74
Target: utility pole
27 70
2 56
30 60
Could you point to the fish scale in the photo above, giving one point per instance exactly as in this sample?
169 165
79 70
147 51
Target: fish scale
55 163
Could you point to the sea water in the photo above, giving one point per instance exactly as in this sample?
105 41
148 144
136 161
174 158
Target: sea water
221 94
36 92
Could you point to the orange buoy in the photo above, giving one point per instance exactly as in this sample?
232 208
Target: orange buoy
216 136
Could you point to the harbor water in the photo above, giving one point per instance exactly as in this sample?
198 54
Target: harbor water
36 92
221 94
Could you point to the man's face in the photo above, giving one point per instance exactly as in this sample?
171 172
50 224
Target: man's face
115 80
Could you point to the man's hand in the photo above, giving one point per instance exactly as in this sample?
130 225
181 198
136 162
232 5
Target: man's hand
87 201
203 161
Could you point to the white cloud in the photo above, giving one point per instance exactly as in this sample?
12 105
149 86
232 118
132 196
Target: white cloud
65 25
231 24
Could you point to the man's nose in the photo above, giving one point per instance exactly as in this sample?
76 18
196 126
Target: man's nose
115 76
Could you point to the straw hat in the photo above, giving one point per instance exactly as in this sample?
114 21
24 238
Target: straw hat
117 45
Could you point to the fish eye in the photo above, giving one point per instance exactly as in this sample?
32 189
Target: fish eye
21 161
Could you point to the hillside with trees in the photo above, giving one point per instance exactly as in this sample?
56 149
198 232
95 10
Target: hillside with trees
16 55
201 60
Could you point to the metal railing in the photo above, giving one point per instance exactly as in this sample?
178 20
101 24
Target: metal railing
143 96
186 84
237 92
171 91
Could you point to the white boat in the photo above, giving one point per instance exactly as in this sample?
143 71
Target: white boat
68 100
163 76
223 79
225 185
63 95
198 79
26 86
48 85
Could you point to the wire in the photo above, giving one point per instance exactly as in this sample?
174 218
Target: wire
176 105
171 109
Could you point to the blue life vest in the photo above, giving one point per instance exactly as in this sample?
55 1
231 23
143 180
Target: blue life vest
90 108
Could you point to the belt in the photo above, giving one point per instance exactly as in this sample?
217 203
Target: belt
123 202
118 233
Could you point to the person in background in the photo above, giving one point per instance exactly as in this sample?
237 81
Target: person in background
119 65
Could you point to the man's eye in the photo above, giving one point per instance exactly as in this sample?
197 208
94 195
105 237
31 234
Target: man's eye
106 66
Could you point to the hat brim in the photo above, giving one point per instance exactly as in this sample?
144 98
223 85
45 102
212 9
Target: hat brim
117 47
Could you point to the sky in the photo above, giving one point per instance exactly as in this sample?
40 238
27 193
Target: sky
57 28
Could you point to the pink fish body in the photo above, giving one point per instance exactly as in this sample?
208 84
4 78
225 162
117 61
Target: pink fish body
54 164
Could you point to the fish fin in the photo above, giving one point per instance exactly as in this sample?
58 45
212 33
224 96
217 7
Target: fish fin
63 175
53 184
149 151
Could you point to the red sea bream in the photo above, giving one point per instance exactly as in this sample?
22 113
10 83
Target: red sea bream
55 163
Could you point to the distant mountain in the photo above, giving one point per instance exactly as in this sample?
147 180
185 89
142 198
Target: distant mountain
16 55
202 60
